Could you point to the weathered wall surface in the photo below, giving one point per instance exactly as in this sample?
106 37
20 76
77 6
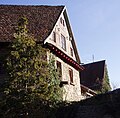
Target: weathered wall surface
101 106
72 92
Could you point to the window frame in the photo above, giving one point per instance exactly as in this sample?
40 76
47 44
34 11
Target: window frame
63 42
71 76
62 21
54 37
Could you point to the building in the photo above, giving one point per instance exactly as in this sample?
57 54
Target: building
100 106
51 27
87 92
95 76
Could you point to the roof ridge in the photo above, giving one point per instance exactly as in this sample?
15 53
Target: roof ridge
94 62
33 5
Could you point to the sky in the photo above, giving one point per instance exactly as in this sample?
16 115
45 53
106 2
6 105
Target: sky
96 28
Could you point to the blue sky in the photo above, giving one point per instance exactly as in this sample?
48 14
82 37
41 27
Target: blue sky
96 27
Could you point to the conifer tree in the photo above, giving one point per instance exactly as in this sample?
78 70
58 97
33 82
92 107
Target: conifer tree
106 83
32 79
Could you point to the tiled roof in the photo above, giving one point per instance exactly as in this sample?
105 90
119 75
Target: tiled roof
93 74
41 20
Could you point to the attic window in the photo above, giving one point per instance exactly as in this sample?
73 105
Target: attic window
54 37
62 21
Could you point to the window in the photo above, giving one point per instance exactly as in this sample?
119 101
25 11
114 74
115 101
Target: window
63 42
71 51
59 68
71 75
62 21
54 36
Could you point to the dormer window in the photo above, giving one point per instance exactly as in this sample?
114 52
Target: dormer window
63 42
54 37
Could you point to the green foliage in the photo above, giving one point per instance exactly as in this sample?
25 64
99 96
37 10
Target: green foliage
54 89
32 80
106 84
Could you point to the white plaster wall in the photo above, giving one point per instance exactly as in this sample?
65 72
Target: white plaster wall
71 92
60 29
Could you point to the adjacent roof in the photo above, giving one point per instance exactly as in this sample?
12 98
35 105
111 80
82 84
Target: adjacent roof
41 20
93 74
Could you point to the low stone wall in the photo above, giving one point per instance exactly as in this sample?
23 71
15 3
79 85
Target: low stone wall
100 106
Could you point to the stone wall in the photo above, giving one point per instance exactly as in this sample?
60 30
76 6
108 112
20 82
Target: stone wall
100 106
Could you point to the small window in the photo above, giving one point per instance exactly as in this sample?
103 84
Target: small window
63 42
63 23
54 36
71 75
61 20
59 68
71 51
